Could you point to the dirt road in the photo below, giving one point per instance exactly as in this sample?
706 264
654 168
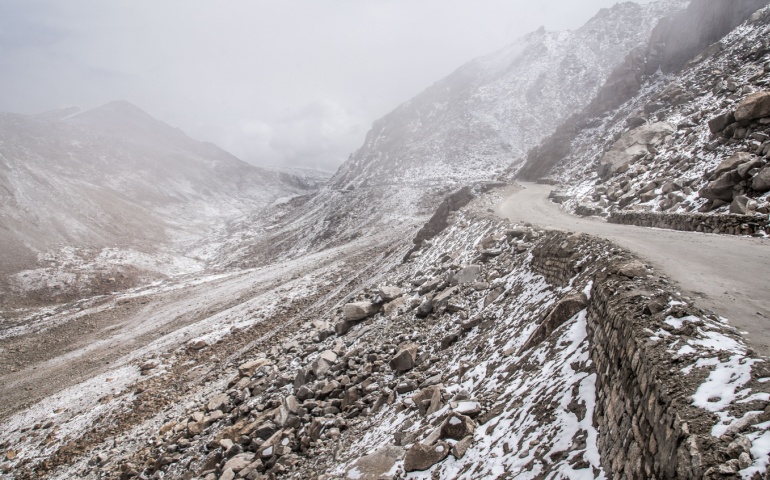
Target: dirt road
727 274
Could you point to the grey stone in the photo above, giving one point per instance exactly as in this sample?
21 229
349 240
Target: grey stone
425 307
442 299
433 397
405 358
217 402
633 145
422 457
632 269
721 188
732 162
460 448
359 311
376 466
466 275
239 462
761 182
247 369
742 205
457 427
756 105
389 293
718 123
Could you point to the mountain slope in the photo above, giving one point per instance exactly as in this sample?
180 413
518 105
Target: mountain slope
467 128
116 177
702 157
493 109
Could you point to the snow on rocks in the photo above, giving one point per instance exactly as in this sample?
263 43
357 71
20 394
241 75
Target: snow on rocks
390 396
715 151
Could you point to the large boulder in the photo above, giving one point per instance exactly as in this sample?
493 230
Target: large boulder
732 163
722 187
442 299
756 105
358 311
632 146
457 427
405 359
422 457
742 205
718 123
761 181
323 363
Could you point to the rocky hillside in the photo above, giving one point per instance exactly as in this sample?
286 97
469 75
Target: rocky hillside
498 350
695 139
117 185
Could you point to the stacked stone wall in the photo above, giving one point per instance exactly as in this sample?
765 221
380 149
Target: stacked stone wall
730 224
648 426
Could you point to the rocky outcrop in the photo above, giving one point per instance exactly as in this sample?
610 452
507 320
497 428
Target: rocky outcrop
633 146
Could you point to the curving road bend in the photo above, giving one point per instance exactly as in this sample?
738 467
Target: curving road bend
728 275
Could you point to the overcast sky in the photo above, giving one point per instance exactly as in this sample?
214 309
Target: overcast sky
293 82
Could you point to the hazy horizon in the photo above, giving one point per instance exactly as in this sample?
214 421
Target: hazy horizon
296 84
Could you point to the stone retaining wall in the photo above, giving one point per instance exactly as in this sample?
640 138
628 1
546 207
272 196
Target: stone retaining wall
730 224
648 426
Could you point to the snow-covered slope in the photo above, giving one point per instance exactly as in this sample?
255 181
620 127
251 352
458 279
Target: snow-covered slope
469 126
116 177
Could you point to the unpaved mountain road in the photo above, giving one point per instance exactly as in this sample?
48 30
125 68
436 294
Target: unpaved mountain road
728 275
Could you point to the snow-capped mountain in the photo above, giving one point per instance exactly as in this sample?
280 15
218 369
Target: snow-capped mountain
116 177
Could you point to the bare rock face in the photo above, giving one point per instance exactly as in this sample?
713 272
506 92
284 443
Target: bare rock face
359 311
633 145
422 457
756 105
